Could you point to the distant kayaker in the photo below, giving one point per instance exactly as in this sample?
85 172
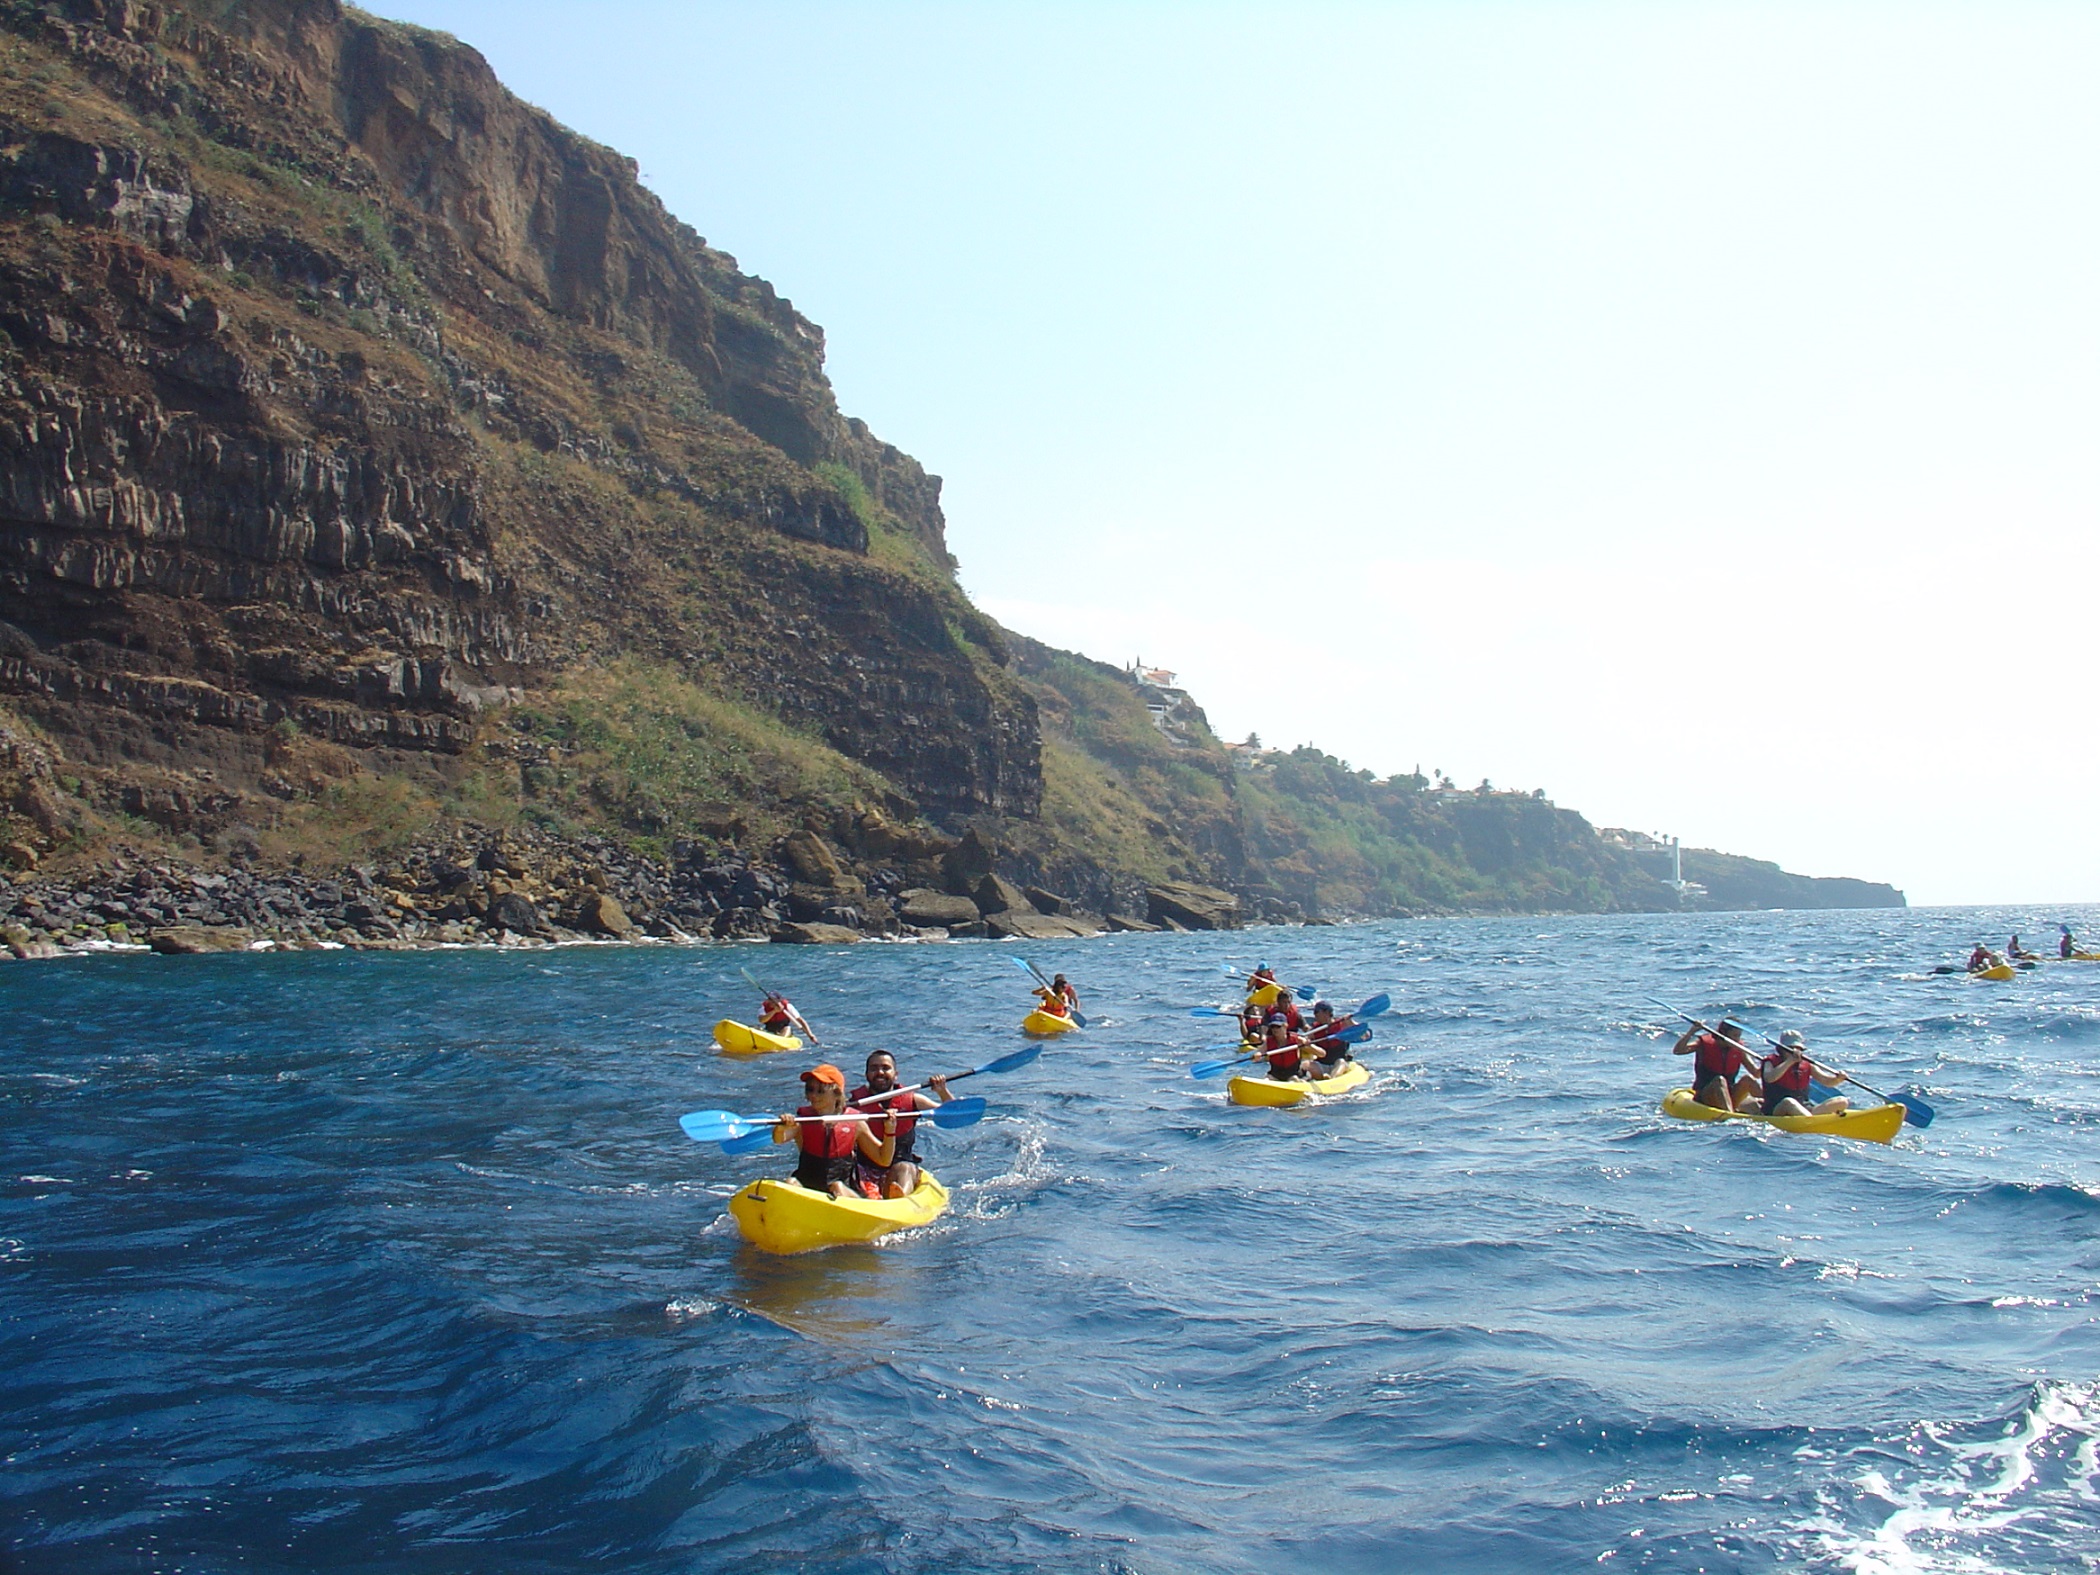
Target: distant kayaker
1719 1074
1786 1075
2019 953
2067 947
900 1178
776 1015
1983 957
1058 997
829 1148
1262 987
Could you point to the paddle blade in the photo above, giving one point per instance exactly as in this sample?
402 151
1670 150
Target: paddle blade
1008 1062
750 1142
1915 1111
1354 1034
1372 1007
1213 1011
959 1113
1213 1068
711 1126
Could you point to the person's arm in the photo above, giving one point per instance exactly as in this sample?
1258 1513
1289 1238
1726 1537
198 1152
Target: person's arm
940 1087
1829 1075
883 1150
1685 1045
785 1129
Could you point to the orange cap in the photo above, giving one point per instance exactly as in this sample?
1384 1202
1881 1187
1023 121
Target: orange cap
826 1073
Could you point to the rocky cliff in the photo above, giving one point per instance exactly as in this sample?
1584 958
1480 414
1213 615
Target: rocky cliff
344 397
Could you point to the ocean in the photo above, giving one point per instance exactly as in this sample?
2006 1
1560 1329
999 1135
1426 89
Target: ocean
400 1263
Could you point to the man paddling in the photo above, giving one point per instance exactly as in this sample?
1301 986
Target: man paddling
2067 948
1719 1073
900 1178
1983 958
1323 1035
2019 953
1786 1075
830 1148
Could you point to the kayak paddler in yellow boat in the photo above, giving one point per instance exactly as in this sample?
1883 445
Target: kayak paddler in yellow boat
1983 959
1058 997
1286 1050
1720 1074
831 1148
1322 1037
1786 1075
2015 952
900 1177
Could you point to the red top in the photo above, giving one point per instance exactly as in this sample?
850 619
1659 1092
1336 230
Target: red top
827 1139
1792 1083
906 1106
1716 1057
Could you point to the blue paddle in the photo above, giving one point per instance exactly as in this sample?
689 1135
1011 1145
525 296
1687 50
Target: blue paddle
750 1134
1028 967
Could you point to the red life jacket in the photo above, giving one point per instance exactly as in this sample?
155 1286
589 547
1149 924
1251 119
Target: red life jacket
906 1106
1716 1057
1283 1062
774 1018
1791 1084
827 1139
1290 1015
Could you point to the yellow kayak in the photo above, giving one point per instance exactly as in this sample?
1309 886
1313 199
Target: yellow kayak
1875 1124
1044 1024
1279 1091
785 1216
1264 995
737 1039
2002 972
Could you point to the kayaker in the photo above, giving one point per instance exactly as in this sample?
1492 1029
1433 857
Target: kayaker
1252 1018
829 1148
1261 986
1719 1073
1786 1074
1322 1037
776 1015
1983 957
1054 1001
2019 953
2067 947
900 1178
1290 1013
1285 1050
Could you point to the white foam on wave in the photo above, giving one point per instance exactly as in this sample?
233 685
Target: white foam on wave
1972 1506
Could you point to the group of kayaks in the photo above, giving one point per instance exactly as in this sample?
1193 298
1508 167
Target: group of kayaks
782 1216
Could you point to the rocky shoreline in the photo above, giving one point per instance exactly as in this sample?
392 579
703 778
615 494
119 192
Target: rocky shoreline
528 887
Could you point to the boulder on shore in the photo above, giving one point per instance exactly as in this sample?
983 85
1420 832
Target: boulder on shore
930 909
1123 924
1039 926
601 914
996 894
514 911
814 935
195 940
1191 907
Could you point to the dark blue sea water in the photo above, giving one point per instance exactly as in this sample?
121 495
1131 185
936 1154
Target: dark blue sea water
400 1263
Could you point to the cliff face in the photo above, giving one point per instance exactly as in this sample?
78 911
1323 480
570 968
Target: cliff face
345 399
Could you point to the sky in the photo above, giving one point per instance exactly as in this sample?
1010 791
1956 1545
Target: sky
1690 409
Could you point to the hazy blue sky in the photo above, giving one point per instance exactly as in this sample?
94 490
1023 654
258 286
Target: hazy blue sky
1690 409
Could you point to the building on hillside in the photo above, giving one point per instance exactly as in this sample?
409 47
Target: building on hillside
1162 699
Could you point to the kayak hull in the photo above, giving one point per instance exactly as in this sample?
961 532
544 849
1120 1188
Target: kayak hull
1875 1124
1276 1091
741 1039
786 1217
1998 974
1046 1025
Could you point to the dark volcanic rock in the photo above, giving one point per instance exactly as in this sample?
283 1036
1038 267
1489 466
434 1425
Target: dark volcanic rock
515 912
1192 907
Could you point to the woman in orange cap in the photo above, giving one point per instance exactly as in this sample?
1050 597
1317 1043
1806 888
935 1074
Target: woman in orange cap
828 1147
